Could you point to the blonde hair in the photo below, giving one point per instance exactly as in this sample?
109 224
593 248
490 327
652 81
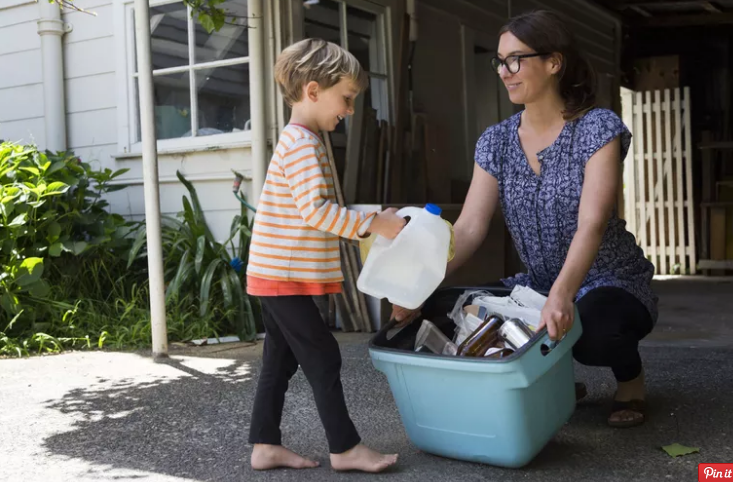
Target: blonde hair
316 60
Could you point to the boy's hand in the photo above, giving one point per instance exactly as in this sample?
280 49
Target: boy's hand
387 224
404 316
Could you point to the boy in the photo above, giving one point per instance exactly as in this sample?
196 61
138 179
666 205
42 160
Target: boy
294 255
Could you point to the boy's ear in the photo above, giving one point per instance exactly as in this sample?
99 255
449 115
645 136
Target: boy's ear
311 90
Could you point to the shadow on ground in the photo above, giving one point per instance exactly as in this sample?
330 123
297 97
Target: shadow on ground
195 425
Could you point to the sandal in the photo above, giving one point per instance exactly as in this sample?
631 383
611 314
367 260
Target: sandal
636 406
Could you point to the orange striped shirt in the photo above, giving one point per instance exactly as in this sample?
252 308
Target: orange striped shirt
295 237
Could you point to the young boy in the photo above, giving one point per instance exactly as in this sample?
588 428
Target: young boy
294 255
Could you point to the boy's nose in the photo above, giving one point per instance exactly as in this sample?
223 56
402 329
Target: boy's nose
350 111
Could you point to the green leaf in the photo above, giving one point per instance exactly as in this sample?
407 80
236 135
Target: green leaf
676 450
32 170
200 251
18 221
54 231
57 187
76 247
184 270
206 286
226 288
30 271
207 22
56 166
9 303
39 289
140 240
55 249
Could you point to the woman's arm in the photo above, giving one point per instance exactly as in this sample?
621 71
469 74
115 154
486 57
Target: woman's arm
597 201
469 230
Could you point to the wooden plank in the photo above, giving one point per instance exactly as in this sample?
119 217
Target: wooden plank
705 198
659 193
716 145
396 155
670 198
688 176
639 111
678 177
650 177
381 158
353 151
717 237
627 109
725 18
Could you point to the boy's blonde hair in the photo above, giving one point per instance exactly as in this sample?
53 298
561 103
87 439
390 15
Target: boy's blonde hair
316 60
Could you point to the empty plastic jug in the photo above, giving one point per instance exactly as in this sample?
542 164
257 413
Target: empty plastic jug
407 269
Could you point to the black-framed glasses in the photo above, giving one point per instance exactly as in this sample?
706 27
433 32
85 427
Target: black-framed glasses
512 62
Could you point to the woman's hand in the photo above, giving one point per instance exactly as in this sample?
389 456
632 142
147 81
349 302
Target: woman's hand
558 315
404 316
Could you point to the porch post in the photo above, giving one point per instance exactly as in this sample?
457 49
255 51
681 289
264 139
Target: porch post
150 180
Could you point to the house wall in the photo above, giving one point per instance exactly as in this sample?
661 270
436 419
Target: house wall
21 87
92 55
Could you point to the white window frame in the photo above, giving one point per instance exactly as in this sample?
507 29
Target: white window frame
127 101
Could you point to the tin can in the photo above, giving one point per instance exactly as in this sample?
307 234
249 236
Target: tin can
515 333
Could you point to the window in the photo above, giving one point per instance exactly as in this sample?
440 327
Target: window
201 80
359 27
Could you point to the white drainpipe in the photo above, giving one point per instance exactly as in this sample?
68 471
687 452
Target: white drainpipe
257 96
50 29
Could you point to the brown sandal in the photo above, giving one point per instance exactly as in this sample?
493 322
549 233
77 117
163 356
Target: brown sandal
636 406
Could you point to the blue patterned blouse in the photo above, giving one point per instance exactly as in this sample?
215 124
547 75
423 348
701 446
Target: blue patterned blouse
541 212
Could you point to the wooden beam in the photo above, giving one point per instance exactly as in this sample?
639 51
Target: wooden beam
670 3
640 11
710 7
687 20
715 264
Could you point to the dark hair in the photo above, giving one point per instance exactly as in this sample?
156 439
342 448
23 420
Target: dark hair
545 31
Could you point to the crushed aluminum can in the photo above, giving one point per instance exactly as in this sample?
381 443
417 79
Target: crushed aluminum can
515 333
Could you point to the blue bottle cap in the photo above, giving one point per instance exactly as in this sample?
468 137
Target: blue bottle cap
433 209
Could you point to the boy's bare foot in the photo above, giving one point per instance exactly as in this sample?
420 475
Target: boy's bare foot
362 458
265 457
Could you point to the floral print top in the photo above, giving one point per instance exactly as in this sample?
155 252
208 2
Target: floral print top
541 212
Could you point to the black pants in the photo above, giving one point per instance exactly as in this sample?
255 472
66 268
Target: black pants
296 335
613 322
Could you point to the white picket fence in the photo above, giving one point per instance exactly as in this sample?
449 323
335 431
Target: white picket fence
658 200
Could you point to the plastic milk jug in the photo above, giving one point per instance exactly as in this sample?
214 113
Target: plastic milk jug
407 269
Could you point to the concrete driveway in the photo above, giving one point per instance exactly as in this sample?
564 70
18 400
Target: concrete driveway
119 416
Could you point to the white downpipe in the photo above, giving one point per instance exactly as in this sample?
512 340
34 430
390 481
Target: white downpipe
150 180
257 94
50 29
411 11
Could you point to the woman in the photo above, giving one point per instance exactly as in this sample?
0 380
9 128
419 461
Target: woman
555 168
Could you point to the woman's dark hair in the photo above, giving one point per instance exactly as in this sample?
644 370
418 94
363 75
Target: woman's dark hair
545 31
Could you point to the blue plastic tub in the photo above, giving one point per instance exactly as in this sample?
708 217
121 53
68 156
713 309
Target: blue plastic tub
499 412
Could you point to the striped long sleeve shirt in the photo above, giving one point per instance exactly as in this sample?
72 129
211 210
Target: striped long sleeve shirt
295 239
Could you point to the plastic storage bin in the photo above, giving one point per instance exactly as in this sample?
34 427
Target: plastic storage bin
499 412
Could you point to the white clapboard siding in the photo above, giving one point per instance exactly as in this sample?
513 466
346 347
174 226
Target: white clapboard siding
658 199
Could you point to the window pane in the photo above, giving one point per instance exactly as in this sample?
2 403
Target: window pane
169 35
223 99
172 99
229 42
322 21
363 39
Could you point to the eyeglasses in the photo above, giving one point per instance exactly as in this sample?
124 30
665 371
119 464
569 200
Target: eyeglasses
512 63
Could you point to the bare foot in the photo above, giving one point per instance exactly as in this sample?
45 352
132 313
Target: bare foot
362 458
265 457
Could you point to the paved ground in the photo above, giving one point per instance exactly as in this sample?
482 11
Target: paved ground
119 416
